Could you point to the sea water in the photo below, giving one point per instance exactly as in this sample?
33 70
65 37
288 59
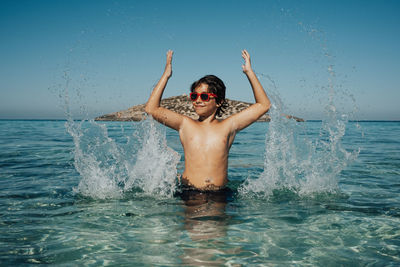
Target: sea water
102 193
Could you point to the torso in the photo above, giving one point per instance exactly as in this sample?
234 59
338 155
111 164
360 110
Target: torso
206 148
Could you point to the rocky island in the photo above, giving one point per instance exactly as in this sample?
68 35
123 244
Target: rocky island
180 104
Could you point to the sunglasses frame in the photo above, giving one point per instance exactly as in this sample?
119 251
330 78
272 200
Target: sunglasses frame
200 94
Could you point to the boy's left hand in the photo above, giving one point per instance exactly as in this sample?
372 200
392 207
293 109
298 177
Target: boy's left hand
247 64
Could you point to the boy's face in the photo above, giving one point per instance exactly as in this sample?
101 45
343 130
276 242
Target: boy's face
204 108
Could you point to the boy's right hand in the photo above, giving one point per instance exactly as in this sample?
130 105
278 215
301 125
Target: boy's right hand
168 65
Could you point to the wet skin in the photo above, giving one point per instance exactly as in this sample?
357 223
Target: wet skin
206 141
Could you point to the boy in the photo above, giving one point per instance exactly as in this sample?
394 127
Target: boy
206 141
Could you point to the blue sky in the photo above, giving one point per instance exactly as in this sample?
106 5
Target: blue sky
109 54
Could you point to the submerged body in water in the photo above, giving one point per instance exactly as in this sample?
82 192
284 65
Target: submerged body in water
207 141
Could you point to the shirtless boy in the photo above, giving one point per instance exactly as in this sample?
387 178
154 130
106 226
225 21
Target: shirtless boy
206 141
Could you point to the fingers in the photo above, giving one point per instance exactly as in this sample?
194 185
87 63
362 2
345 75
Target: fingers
247 65
169 56
246 56
170 53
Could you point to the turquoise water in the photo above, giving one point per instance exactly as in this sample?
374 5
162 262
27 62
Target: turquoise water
103 194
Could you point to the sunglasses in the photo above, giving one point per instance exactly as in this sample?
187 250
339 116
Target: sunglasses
203 96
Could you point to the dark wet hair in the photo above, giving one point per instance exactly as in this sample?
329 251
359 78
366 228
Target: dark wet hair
215 86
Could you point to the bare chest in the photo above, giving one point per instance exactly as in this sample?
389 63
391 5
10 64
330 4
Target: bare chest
205 139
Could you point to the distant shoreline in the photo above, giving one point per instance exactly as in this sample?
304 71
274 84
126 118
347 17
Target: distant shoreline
182 105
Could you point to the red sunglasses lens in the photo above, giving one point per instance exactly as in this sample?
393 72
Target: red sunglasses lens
204 96
193 96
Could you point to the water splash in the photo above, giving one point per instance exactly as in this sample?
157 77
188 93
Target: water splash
140 162
296 161
155 169
96 158
144 164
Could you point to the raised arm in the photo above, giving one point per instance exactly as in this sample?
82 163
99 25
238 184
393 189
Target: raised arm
163 115
251 114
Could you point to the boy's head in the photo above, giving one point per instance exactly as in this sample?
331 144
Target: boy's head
215 86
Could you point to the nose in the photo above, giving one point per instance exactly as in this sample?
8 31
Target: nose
198 100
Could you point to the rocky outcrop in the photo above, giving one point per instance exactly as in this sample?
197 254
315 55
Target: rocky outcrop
180 104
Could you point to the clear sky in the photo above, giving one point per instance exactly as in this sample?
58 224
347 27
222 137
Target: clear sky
109 54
